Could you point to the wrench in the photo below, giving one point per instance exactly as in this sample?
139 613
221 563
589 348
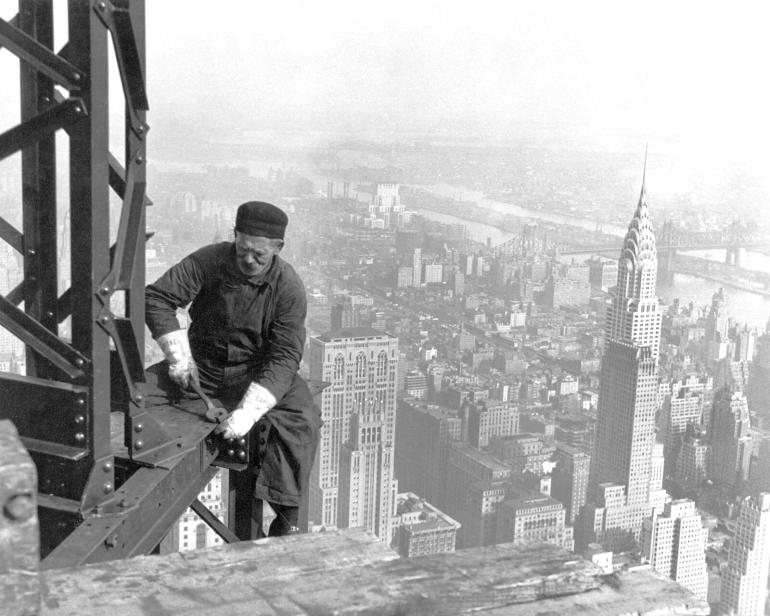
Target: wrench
214 414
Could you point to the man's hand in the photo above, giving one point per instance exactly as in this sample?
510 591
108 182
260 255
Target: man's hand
181 365
255 403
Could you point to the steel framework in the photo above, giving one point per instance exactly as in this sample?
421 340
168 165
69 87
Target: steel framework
102 493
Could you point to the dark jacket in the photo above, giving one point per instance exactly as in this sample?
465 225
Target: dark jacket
248 329
239 324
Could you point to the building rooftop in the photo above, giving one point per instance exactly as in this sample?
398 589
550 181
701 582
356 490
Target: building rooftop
353 332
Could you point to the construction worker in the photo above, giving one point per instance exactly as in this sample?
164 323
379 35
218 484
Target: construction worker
244 345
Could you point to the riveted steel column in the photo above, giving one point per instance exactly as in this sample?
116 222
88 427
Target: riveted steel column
90 235
39 187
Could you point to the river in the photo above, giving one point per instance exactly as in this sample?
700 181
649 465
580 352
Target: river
743 306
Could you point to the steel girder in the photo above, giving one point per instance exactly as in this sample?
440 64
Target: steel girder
99 498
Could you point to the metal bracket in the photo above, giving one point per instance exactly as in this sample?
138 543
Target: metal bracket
117 19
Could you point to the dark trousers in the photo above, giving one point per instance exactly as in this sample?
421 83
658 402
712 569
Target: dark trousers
282 444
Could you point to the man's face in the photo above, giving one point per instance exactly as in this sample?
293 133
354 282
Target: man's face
254 253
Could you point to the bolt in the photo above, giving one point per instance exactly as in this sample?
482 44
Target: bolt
111 542
138 427
80 437
107 487
138 444
79 419
19 507
123 502
107 467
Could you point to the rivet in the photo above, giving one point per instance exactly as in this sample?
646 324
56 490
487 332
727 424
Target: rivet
31 251
79 419
107 487
242 442
104 319
107 467
76 77
79 362
123 502
110 542
104 290
19 507
230 453
78 109
138 427
45 99
241 454
102 6
80 401
140 129
79 437
49 313
138 444
139 160
139 397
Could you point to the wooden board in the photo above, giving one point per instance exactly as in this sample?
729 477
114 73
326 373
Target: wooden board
349 572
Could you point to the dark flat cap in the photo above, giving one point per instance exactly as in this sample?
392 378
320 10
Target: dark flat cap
261 219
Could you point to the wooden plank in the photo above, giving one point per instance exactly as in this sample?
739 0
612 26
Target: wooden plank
638 593
19 532
349 572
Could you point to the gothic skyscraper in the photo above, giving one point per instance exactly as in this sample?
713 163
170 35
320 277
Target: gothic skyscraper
627 465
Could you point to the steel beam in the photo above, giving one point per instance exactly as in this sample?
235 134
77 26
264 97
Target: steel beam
65 114
213 522
37 54
28 330
12 235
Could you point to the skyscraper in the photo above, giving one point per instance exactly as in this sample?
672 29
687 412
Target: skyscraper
352 480
674 543
744 581
626 456
731 442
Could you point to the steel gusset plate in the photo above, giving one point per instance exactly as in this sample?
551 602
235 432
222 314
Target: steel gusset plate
44 409
129 237
42 340
40 57
28 133
117 18
140 513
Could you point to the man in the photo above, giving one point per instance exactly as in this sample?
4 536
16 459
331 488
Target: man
246 336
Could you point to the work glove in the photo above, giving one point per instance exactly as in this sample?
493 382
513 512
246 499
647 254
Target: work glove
181 365
255 403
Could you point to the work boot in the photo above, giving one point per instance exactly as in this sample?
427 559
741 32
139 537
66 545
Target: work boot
286 520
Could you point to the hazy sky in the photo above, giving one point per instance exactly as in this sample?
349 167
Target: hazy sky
683 73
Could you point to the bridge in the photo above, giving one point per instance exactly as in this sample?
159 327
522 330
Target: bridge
671 239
